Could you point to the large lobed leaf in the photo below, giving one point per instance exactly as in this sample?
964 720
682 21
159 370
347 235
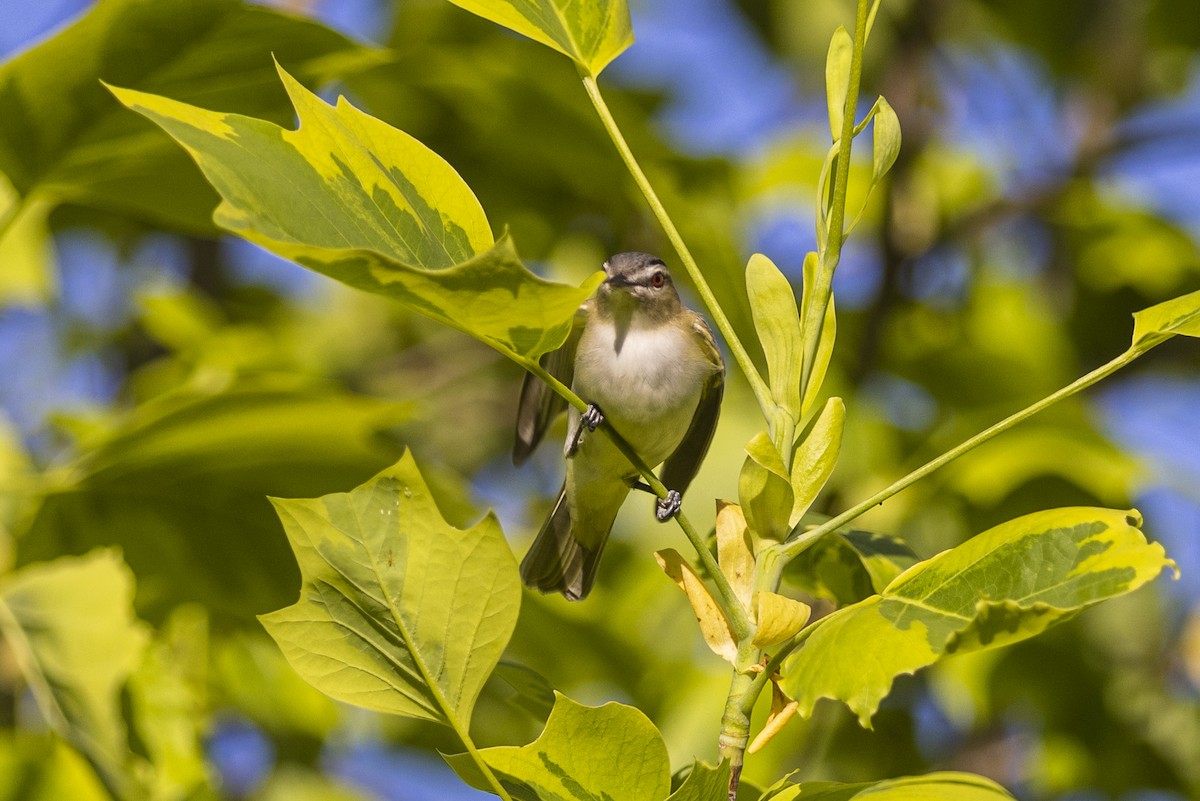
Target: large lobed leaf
592 33
62 136
611 752
70 627
399 612
352 198
1007 584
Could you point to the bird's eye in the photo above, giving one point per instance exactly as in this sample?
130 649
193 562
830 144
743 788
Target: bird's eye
657 280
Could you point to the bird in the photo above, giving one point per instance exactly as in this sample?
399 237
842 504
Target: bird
649 366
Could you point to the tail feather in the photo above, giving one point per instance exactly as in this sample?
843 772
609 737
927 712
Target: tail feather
557 561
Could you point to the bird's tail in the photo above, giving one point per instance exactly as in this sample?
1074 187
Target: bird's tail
557 561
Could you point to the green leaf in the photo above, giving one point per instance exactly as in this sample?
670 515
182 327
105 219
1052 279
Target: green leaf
943 786
815 456
764 489
1179 315
611 752
399 612
591 33
44 768
777 321
1007 584
350 197
179 484
704 782
828 335
70 627
847 566
837 79
26 250
62 136
885 140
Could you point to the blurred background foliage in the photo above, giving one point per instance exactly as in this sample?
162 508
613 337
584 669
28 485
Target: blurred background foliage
160 380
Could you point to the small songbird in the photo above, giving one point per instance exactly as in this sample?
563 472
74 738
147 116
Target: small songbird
647 365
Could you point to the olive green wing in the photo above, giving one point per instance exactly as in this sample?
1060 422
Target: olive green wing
539 404
681 466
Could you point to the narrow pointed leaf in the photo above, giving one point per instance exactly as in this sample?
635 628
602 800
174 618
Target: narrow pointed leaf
351 197
765 490
777 321
828 335
611 752
943 786
778 618
837 79
815 456
886 140
783 709
1179 315
399 612
1007 584
591 33
705 783
714 626
69 625
735 550
62 137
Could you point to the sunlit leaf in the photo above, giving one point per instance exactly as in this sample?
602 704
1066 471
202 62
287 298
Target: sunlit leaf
350 197
591 33
399 612
777 617
705 782
714 626
1007 584
837 79
886 140
848 566
735 550
1177 316
777 321
828 336
611 752
783 709
42 767
815 456
765 490
944 786
26 251
70 627
63 137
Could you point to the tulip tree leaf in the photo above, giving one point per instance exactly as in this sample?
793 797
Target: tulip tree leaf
1004 585
350 197
399 612
816 455
70 627
63 137
828 334
847 566
704 783
777 321
942 786
765 490
611 752
714 626
591 33
1179 315
837 78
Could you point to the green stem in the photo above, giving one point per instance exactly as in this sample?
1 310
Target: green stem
735 722
739 618
830 255
491 777
798 544
761 391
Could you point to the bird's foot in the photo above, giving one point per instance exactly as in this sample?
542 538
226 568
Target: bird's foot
591 417
668 507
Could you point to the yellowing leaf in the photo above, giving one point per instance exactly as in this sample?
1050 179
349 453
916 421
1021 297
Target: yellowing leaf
399 612
765 490
735 551
783 709
714 626
592 33
351 197
815 456
778 618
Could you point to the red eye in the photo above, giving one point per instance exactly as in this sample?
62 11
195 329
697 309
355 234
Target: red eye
657 280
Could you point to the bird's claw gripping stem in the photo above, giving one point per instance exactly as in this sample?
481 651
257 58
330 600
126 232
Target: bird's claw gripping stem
668 507
591 417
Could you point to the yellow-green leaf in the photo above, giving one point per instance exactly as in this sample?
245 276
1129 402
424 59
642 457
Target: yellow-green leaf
815 456
399 612
765 490
942 786
1004 585
714 626
885 139
592 33
351 197
1179 315
735 550
837 78
778 618
777 321
828 334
